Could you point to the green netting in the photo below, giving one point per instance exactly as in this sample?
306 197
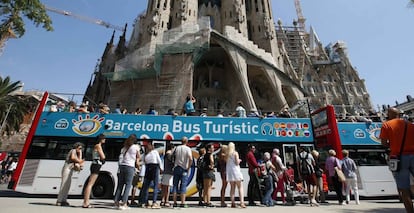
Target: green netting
131 74
146 62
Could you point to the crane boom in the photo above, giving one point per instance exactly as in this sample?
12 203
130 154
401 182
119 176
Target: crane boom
84 18
301 18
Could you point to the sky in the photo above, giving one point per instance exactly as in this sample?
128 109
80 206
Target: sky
378 36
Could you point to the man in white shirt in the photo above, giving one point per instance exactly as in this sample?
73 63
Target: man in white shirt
183 160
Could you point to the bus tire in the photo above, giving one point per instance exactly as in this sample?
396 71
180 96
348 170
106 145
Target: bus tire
103 187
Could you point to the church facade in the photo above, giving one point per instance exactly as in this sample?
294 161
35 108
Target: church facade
223 52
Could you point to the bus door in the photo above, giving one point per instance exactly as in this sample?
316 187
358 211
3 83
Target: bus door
290 152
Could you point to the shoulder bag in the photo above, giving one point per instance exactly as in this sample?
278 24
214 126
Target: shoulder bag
394 164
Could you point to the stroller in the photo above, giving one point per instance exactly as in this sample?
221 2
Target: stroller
294 191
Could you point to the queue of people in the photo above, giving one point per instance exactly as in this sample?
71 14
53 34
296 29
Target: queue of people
267 176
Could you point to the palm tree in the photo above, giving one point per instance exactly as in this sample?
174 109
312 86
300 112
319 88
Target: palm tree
13 108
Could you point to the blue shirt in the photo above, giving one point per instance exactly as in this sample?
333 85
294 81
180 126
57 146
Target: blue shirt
189 107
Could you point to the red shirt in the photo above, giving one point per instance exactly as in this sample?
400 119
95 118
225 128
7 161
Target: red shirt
251 161
393 131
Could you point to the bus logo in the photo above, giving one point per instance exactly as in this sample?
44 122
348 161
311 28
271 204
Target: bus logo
86 126
62 124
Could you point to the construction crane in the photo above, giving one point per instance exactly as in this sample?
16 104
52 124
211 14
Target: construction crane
301 18
84 18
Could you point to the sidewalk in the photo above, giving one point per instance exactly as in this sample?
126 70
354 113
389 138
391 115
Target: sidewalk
9 202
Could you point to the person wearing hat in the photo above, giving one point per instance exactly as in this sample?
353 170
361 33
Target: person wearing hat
240 111
204 112
98 159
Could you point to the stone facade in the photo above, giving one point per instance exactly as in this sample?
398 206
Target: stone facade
238 55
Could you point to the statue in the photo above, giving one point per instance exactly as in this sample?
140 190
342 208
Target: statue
238 11
183 9
153 26
268 28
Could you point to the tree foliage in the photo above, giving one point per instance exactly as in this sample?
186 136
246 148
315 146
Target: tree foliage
12 13
13 108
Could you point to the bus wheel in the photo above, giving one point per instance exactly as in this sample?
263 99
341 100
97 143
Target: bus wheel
103 187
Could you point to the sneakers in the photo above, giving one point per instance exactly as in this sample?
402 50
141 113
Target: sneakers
123 207
183 206
64 203
155 206
210 205
134 203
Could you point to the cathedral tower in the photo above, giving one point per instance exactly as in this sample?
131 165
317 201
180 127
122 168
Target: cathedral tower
155 22
183 11
261 28
233 13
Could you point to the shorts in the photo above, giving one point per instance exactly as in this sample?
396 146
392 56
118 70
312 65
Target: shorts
209 175
167 180
310 179
95 168
180 180
402 178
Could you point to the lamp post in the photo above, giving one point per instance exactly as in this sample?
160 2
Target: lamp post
5 119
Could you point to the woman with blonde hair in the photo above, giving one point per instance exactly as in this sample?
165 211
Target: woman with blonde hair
234 175
319 174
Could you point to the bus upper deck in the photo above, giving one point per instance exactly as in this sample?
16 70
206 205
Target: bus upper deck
362 141
53 133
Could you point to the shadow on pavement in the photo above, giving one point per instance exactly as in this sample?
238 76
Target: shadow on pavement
95 205
381 210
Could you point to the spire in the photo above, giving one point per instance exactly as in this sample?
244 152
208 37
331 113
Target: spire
121 48
112 38
109 46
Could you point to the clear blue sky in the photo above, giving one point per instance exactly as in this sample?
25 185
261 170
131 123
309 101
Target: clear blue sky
378 34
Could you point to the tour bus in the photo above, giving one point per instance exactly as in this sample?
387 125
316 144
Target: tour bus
52 135
364 145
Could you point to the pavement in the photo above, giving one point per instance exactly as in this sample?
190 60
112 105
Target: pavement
11 202
46 205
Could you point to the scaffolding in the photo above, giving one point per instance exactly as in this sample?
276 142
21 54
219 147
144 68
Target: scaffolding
146 61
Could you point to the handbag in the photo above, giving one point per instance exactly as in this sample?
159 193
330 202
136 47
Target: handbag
340 174
77 167
394 163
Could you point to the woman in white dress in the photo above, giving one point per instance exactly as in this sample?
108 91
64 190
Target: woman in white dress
234 175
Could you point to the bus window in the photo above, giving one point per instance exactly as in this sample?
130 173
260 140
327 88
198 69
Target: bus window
368 157
37 149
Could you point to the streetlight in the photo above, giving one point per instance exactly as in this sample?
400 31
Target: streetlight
5 119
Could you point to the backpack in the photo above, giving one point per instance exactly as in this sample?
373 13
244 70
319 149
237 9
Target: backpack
304 165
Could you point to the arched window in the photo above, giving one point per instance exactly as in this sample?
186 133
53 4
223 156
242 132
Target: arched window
308 77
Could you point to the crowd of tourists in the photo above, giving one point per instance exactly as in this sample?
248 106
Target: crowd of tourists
268 176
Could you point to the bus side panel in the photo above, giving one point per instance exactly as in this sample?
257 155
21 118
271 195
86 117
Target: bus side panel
38 178
376 181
